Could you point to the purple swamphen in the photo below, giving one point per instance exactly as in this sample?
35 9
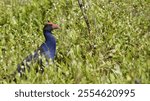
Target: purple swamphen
47 49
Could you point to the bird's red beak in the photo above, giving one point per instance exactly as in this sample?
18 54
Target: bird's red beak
54 26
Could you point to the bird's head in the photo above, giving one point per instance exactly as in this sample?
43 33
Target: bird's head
49 26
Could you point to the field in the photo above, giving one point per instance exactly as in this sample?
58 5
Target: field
116 48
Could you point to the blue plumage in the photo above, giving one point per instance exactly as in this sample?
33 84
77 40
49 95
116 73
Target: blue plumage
47 49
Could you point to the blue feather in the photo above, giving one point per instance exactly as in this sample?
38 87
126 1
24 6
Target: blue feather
47 49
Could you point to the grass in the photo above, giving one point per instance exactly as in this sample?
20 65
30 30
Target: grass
116 51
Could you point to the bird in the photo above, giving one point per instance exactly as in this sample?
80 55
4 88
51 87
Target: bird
47 49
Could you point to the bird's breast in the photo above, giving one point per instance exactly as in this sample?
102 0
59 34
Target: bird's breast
49 50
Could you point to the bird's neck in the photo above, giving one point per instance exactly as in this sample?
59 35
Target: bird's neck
48 36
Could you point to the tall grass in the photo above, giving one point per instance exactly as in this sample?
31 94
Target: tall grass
116 51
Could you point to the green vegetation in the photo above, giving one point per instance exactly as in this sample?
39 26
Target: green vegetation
116 51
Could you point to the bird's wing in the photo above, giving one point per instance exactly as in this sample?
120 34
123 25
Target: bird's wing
34 57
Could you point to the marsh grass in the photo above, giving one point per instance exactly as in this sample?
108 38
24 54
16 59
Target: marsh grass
116 51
